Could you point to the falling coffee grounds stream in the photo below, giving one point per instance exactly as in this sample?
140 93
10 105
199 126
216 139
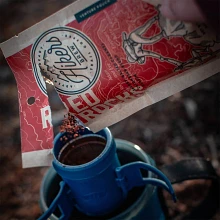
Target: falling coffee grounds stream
78 151
71 126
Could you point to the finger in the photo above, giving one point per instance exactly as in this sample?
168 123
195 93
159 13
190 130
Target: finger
211 9
185 10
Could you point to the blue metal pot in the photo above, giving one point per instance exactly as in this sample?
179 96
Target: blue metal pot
102 187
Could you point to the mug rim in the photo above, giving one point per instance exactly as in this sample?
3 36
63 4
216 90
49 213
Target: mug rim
106 153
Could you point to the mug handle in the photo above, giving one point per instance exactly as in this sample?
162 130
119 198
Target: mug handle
63 201
129 176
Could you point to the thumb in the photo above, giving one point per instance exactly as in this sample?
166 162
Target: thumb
184 10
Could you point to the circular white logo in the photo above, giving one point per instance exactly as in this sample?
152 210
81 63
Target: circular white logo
66 57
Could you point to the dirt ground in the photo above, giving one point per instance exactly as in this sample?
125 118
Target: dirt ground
182 126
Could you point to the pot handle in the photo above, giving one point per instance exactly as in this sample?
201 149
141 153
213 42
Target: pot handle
63 201
191 169
129 176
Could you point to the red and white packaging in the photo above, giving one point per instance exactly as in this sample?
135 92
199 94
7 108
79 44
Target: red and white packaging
107 60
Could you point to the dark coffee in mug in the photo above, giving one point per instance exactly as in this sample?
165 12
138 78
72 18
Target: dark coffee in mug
82 150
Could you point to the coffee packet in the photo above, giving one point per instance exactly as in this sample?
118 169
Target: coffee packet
107 59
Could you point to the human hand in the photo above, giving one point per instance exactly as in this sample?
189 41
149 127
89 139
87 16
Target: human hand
207 11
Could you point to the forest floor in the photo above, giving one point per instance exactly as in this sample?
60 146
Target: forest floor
185 125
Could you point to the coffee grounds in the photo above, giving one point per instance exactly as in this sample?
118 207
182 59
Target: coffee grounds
82 151
71 126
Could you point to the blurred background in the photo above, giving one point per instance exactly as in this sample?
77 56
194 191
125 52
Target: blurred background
182 126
